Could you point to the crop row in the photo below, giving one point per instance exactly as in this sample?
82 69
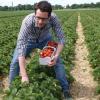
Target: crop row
91 24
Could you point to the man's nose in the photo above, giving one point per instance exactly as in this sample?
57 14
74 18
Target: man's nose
40 20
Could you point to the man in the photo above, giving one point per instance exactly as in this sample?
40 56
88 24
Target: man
35 33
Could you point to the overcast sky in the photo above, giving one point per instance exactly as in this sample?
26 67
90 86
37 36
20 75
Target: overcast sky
53 2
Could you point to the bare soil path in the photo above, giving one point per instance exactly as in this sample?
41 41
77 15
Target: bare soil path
84 86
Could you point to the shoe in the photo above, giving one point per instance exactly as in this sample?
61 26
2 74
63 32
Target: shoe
67 96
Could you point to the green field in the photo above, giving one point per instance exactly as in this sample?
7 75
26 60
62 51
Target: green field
42 80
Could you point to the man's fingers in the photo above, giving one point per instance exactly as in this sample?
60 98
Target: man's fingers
52 63
25 79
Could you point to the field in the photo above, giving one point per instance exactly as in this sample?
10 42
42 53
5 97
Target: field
43 85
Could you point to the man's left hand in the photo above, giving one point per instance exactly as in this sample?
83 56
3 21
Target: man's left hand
53 62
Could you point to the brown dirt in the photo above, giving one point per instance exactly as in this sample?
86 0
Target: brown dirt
84 86
3 86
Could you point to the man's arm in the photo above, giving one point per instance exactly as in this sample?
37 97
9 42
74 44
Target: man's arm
60 36
56 26
59 49
21 46
22 64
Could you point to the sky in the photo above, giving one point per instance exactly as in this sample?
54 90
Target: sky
53 2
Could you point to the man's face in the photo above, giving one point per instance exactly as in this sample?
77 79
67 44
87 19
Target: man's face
41 18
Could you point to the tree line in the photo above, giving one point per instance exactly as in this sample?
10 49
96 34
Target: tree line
55 7
25 7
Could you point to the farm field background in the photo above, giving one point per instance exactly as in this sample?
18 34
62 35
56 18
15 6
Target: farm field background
42 79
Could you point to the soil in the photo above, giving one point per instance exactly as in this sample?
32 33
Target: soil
84 86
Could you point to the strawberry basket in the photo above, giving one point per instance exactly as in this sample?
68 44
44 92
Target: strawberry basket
47 53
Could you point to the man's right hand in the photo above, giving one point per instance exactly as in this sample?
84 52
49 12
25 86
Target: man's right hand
23 72
25 79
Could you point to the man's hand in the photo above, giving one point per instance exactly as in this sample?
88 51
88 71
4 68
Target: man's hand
25 79
53 62
59 49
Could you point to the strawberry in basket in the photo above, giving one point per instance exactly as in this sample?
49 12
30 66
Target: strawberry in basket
52 44
46 52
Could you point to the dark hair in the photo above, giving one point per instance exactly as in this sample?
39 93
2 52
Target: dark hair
44 6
